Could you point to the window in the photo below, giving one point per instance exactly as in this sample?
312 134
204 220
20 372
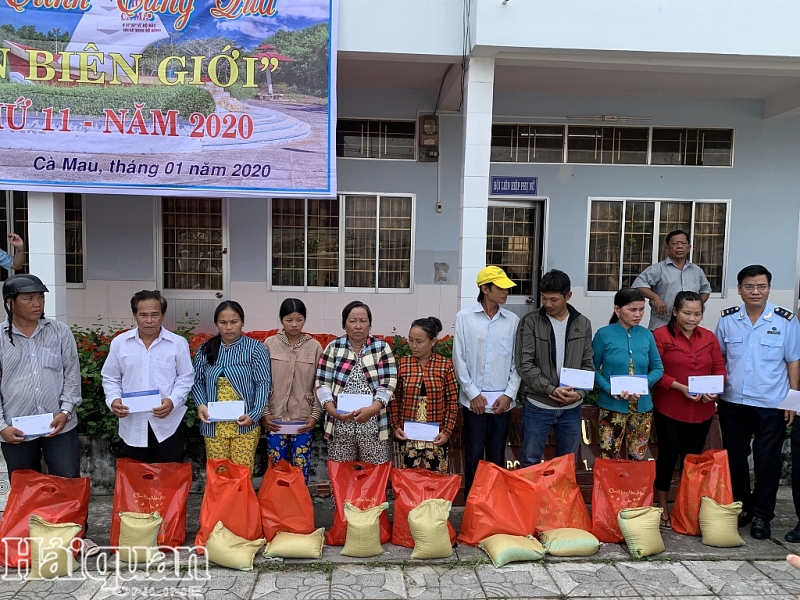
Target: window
528 143
13 219
192 243
626 235
363 138
510 244
693 147
608 145
374 231
73 236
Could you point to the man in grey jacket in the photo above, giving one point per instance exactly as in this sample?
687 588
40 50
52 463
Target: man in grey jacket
553 337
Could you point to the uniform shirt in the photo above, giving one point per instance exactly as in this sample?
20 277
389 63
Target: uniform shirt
39 374
7 261
666 280
131 367
483 353
757 355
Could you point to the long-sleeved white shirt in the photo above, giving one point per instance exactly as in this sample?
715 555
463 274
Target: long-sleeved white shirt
483 353
131 367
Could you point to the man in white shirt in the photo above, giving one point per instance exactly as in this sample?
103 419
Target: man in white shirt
148 357
483 357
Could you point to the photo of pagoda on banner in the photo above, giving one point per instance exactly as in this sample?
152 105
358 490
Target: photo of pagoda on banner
181 97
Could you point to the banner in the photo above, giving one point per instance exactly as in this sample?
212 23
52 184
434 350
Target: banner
173 97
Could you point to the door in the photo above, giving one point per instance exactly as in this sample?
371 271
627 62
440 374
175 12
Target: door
193 259
514 243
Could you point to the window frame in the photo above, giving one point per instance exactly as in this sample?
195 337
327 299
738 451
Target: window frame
171 293
648 162
341 288
656 248
82 285
403 160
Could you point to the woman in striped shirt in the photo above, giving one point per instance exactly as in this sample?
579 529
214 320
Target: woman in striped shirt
231 367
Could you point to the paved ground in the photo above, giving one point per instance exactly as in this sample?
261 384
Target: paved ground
686 570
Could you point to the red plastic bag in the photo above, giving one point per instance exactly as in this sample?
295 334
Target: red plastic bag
705 474
364 486
229 497
562 502
619 484
54 499
500 501
412 486
284 501
146 488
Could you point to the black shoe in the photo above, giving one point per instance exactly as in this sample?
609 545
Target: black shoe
745 517
759 530
793 535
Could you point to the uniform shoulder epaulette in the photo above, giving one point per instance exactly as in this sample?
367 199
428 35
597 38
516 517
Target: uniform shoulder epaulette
782 312
729 311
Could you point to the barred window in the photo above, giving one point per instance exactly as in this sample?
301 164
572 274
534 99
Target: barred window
73 236
13 219
510 242
626 235
527 143
692 147
367 138
608 145
192 243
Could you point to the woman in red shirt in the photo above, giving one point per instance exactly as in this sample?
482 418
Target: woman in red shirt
682 420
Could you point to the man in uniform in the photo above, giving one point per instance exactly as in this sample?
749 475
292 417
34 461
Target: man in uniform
761 344
661 282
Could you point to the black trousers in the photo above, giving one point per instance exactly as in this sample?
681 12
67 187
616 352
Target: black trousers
676 439
795 443
484 437
170 450
766 427
62 454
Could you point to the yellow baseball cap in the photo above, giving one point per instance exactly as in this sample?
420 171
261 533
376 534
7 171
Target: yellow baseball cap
494 275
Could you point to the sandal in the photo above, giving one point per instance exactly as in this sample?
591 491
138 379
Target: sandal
666 522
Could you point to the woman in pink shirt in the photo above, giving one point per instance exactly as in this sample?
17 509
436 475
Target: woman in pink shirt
682 420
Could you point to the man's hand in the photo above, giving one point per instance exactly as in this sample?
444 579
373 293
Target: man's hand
163 410
15 241
12 435
501 405
789 416
59 421
119 409
565 395
660 306
478 404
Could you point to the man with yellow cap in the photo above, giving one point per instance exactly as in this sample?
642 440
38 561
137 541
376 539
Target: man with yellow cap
483 357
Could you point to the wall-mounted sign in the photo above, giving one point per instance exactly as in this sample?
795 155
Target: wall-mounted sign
514 185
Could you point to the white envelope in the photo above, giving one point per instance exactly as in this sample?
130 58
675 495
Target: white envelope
225 411
706 384
421 432
33 425
792 401
577 378
144 401
288 427
347 403
633 384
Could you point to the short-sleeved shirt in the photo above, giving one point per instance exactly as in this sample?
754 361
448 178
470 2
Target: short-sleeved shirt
6 260
666 280
757 355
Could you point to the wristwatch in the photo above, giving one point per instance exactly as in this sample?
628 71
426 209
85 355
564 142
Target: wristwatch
64 411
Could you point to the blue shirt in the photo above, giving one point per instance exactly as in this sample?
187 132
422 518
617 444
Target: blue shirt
756 355
483 353
245 364
614 347
6 260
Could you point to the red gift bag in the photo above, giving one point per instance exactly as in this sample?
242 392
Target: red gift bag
500 501
54 499
619 484
562 502
229 497
412 486
284 501
146 488
364 486
705 474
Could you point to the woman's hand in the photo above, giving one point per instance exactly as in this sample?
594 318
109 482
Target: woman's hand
624 395
311 422
440 439
362 415
331 410
202 413
400 434
268 422
710 397
245 421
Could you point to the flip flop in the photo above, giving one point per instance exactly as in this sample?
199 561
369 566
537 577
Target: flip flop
665 522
